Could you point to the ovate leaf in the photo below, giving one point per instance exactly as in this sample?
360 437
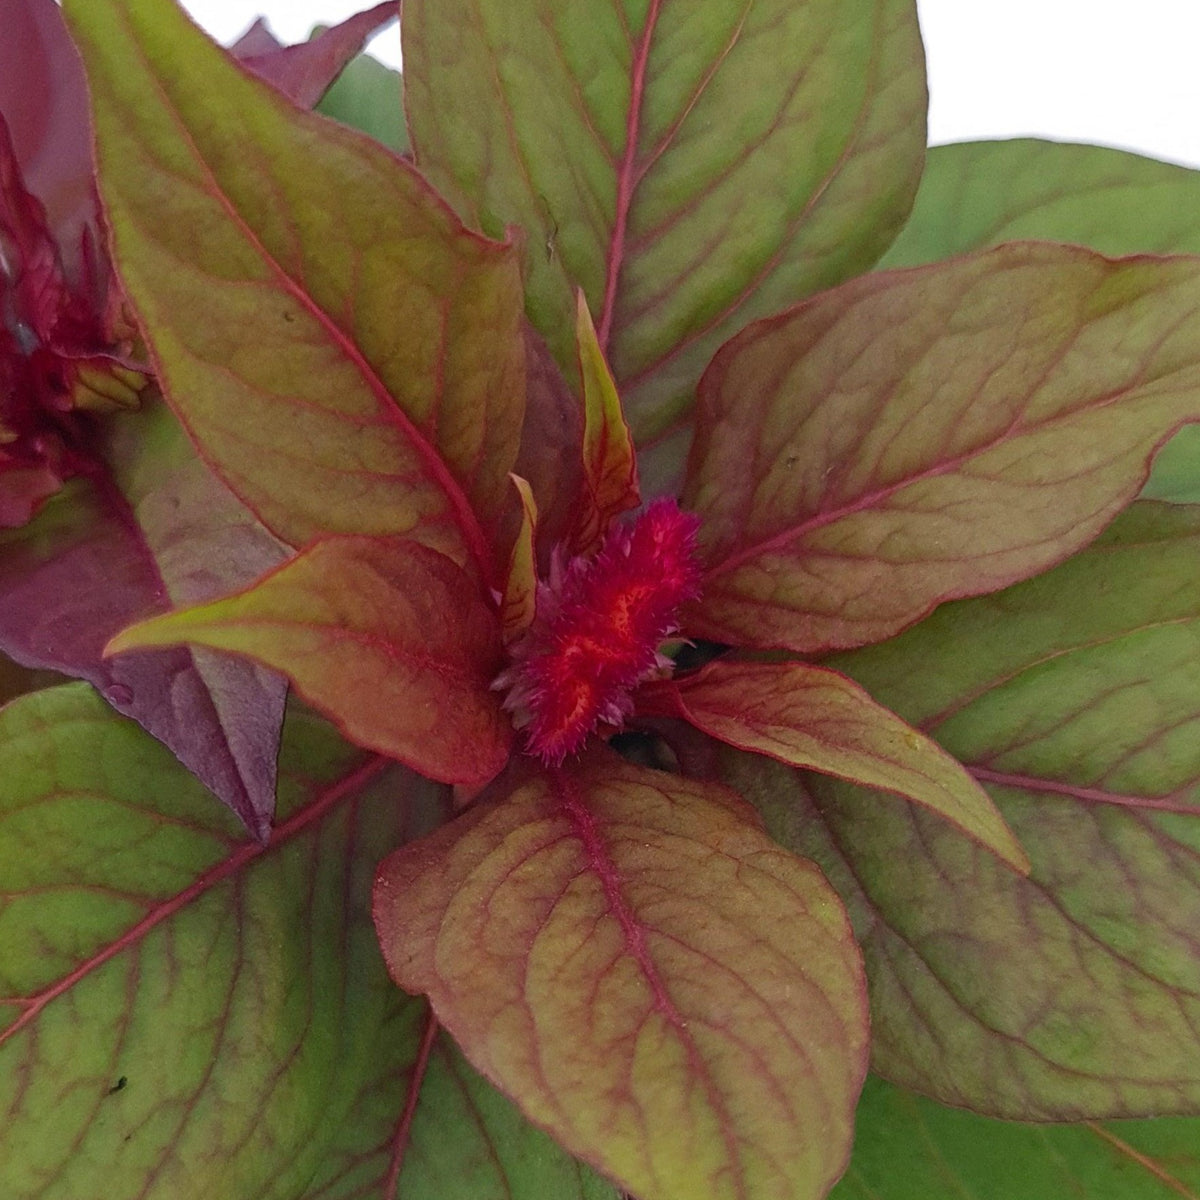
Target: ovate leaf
387 637
910 1148
345 354
186 1013
1074 994
809 716
203 1017
674 998
979 193
691 166
916 436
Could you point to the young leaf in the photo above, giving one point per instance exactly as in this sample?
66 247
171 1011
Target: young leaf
910 1148
673 997
1072 994
691 166
609 460
345 354
979 193
812 717
519 604
387 637
922 435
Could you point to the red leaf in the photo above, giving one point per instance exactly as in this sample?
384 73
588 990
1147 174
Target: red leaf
813 717
916 436
82 570
667 992
387 637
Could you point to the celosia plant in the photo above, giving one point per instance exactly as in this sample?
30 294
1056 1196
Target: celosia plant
720 667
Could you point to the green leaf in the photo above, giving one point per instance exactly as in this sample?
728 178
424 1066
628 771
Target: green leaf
1075 698
237 990
910 1148
979 193
917 436
366 96
673 997
610 473
690 166
387 637
808 716
345 354
468 1142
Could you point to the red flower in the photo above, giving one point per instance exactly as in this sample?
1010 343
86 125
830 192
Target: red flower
597 629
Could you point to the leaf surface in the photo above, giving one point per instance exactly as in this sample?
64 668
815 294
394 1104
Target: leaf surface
387 637
691 166
367 96
910 1148
673 997
1075 993
345 354
976 194
237 990
917 436
160 530
810 716
610 473
305 71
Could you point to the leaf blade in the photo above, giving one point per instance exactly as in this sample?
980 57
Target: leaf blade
910 453
812 717
594 1070
387 638
297 299
907 1147
1070 995
643 151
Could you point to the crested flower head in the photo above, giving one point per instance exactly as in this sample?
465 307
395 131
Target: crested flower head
596 634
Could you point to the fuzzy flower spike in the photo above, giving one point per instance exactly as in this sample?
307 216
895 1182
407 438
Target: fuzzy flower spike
599 622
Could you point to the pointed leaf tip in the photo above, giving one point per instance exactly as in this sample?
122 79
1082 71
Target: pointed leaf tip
388 638
609 460
812 717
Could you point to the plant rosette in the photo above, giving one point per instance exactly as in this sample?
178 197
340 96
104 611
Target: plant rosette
722 670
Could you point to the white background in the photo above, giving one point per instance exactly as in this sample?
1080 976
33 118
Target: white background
1118 72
